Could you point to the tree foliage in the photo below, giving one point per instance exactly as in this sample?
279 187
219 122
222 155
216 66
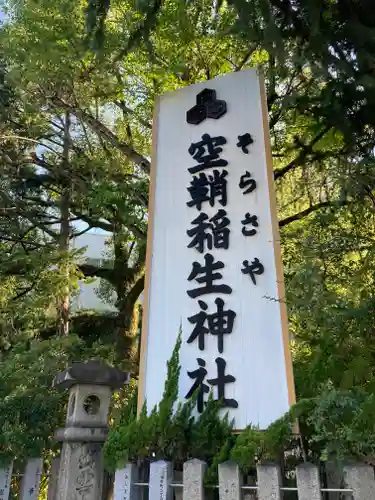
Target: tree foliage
335 425
316 57
31 410
170 431
75 133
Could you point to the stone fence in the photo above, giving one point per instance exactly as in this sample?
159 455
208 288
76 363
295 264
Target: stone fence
29 484
79 474
359 483
165 484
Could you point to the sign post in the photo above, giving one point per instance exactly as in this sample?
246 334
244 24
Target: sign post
214 262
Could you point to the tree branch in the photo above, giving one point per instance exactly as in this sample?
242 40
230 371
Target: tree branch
138 287
21 209
100 129
127 110
100 272
310 210
32 245
93 222
306 150
106 226
24 292
43 227
76 235
144 28
245 58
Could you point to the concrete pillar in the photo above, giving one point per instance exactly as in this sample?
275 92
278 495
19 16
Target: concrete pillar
193 479
160 481
90 387
269 482
308 482
360 478
230 481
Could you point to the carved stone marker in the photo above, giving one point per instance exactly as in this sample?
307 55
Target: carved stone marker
193 479
308 482
90 387
160 481
124 488
360 478
5 479
31 480
230 481
269 482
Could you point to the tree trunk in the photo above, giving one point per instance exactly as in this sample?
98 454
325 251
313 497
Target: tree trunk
129 285
127 327
65 233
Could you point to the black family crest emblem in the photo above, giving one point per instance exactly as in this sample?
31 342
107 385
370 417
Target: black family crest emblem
207 106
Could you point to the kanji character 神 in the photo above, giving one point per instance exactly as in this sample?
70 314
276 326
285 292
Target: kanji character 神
219 323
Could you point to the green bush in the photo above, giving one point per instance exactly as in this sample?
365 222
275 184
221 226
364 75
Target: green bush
336 424
170 430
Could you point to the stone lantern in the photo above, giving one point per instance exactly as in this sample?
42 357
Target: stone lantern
90 385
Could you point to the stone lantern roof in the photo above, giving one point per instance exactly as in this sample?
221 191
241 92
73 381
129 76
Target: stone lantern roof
92 372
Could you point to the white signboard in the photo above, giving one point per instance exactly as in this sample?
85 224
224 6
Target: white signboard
214 261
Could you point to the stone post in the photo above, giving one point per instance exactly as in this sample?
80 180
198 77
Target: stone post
31 479
90 387
360 478
308 482
193 478
269 482
160 481
5 480
124 488
230 481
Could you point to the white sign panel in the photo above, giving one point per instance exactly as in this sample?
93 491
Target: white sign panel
214 262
